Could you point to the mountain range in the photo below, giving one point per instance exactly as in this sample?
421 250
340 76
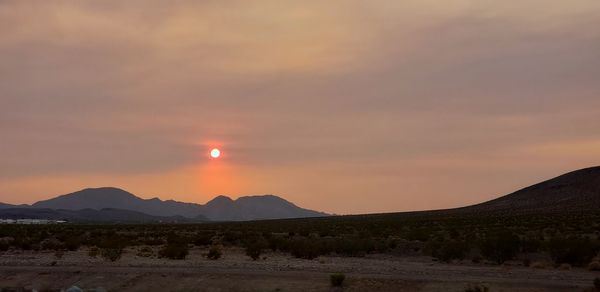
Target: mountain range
577 191
107 199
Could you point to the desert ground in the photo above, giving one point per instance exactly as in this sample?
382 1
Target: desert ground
45 271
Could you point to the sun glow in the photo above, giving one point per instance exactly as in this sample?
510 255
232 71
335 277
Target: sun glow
215 153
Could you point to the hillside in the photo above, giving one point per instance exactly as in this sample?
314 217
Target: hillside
575 191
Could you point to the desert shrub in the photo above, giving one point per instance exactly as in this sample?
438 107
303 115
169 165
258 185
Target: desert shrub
93 252
477 288
530 244
174 251
500 247
449 250
572 250
254 247
72 243
214 252
51 244
351 246
337 280
23 243
305 248
111 254
203 238
145 252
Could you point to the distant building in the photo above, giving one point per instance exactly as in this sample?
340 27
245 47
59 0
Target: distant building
31 221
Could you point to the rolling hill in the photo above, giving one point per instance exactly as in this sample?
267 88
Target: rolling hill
575 191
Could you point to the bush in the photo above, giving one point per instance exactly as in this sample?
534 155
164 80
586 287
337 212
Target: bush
572 250
174 251
93 252
305 249
448 251
477 288
145 252
597 283
203 238
111 254
214 253
337 280
500 247
73 243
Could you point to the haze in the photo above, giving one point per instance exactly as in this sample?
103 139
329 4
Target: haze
340 106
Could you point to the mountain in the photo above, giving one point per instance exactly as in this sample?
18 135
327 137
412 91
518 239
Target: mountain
220 208
223 208
91 216
6 206
101 198
575 191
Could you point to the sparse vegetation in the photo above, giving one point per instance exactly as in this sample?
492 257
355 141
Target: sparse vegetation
111 254
477 288
214 252
567 238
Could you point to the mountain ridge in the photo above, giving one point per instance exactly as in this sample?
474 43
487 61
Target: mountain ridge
220 208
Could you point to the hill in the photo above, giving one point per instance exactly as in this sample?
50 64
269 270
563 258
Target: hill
575 191
223 208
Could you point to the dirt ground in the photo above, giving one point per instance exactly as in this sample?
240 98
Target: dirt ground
275 272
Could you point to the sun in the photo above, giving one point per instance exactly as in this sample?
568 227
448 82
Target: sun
215 153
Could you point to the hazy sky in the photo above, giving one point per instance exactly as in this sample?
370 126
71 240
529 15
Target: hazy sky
341 106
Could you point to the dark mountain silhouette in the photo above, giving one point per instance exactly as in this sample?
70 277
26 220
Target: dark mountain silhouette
91 215
575 191
223 208
220 208
101 198
6 206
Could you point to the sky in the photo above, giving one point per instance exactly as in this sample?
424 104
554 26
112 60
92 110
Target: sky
340 106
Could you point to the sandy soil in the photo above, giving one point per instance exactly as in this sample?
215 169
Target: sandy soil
277 272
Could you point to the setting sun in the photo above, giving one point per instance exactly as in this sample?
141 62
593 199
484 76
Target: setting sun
215 153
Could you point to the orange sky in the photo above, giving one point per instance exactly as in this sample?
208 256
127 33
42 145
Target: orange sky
340 106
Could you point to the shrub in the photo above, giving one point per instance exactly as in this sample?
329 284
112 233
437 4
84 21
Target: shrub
337 280
214 252
145 252
597 283
451 250
174 251
500 247
111 254
572 250
477 288
93 252
73 243
305 249
254 246
203 238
